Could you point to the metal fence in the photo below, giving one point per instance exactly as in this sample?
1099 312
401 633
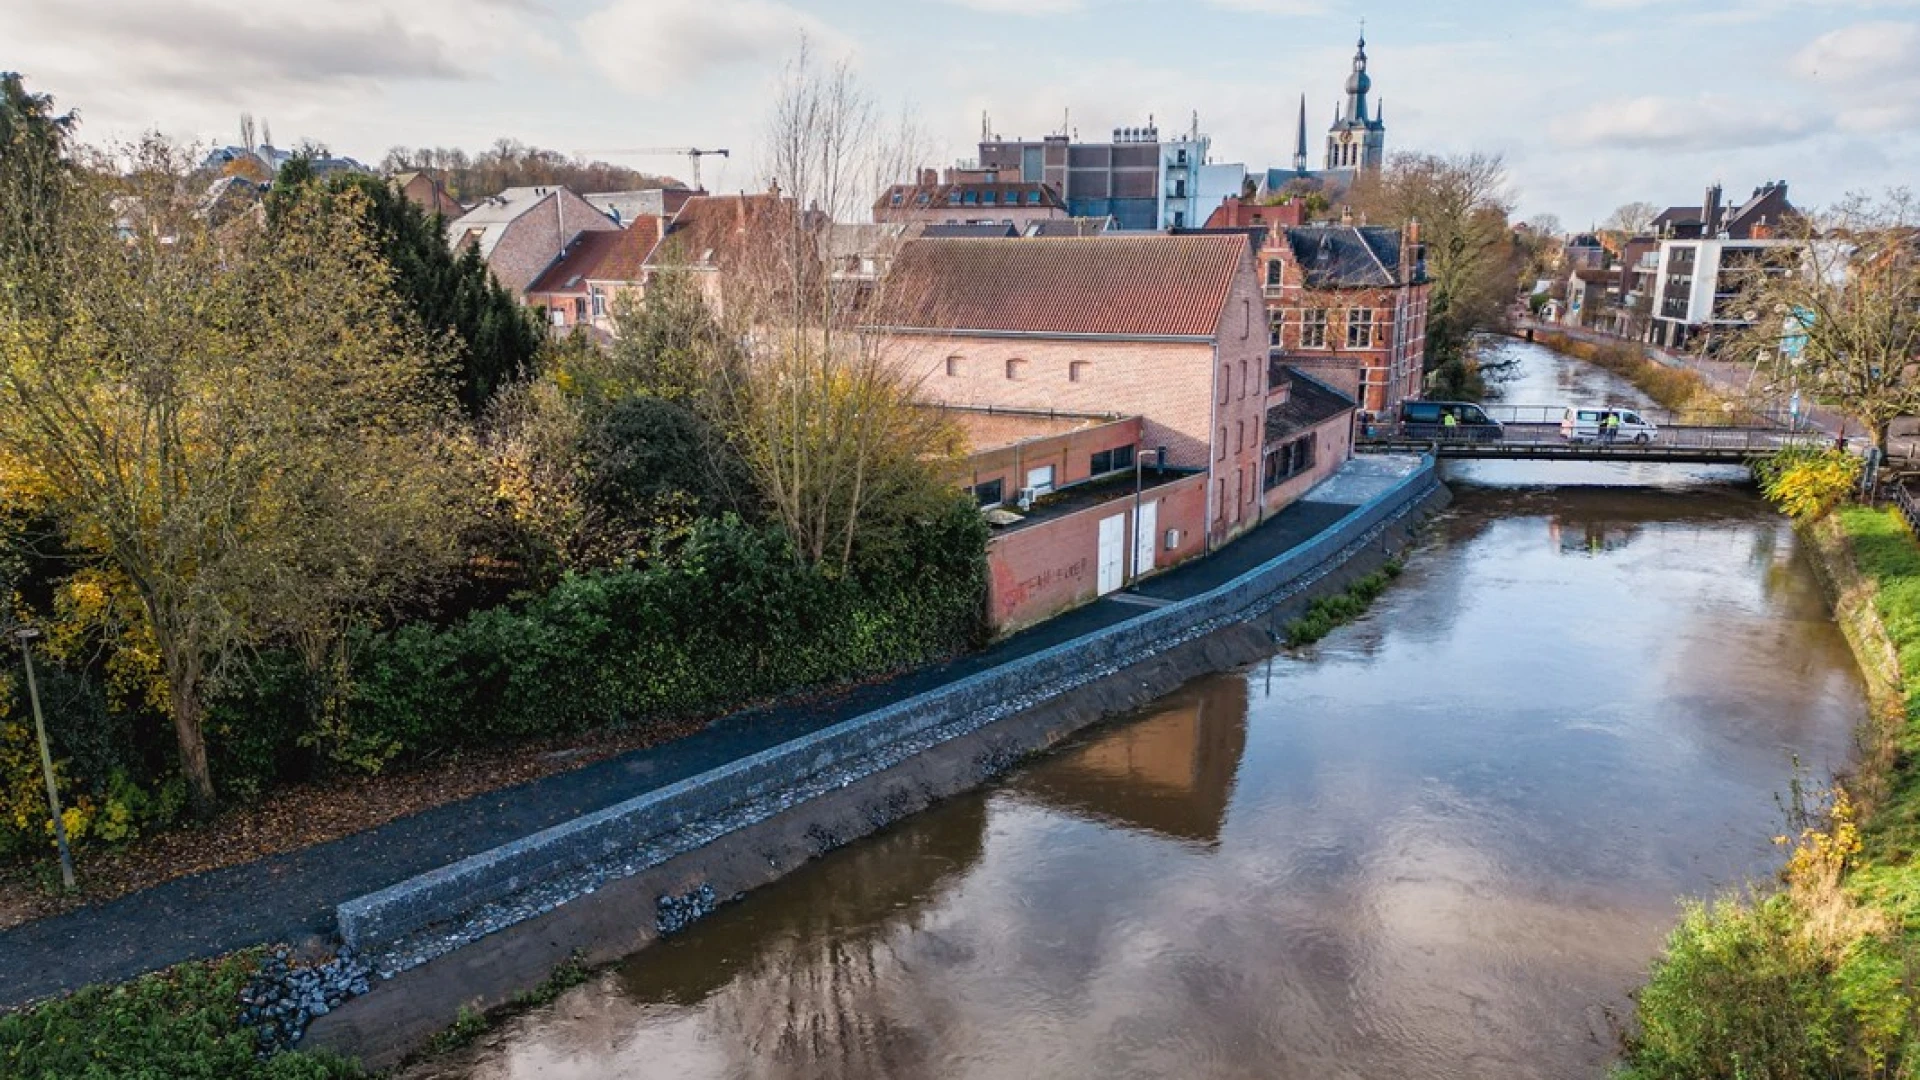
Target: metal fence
1703 418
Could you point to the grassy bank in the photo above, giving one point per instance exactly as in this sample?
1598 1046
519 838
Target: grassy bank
1324 615
1674 388
1815 977
179 1024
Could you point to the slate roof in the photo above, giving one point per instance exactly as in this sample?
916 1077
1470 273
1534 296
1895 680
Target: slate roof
603 255
1124 286
1079 226
1309 404
985 230
955 197
1346 256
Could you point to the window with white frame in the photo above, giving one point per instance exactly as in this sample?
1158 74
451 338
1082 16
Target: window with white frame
1313 328
1360 328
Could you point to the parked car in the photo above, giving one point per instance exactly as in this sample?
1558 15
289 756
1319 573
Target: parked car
1588 423
1428 420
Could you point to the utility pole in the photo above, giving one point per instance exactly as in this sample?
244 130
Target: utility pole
25 635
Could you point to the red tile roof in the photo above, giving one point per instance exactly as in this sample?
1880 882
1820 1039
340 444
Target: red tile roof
1133 286
615 255
716 229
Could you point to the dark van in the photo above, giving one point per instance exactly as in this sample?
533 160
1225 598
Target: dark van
1427 420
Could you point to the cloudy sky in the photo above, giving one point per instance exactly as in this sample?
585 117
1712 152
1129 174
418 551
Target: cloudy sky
1592 102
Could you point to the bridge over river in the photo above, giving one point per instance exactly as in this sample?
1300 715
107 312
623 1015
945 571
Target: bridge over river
1532 433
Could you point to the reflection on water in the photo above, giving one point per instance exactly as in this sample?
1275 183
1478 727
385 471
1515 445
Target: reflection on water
1443 843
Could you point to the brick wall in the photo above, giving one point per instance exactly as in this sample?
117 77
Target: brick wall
1050 566
1333 446
1378 377
1070 454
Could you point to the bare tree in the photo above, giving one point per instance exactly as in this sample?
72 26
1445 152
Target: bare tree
1547 225
1837 312
1633 219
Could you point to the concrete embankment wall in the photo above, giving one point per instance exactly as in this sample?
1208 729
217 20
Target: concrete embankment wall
754 820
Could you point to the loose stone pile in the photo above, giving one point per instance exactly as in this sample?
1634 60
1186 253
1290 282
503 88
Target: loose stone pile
286 994
675 913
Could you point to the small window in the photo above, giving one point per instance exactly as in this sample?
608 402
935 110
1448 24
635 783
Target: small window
922 200
1040 479
579 308
1273 273
1078 370
1016 368
1276 322
991 493
1114 460
990 198
1033 198
899 197
599 304
953 367
970 198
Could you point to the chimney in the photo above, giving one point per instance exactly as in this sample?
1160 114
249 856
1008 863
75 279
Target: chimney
1346 216
929 177
1710 212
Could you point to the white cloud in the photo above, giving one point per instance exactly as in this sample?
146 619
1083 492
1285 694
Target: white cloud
1024 7
648 46
1861 54
1709 121
1870 73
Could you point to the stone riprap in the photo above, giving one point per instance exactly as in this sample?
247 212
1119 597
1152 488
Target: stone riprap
433 913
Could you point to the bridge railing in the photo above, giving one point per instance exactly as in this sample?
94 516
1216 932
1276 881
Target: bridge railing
1736 417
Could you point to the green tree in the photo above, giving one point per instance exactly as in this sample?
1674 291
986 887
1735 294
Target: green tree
495 338
216 415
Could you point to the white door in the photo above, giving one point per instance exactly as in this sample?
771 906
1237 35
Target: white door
1145 537
1113 553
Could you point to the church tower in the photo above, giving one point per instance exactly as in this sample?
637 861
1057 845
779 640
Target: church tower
1357 140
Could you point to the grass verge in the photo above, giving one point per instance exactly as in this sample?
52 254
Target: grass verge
179 1024
1330 612
472 1023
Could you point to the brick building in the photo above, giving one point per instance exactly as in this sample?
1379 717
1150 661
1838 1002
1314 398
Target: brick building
1169 329
522 231
1347 305
712 237
579 289
424 189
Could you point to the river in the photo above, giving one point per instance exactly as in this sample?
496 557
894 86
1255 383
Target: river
1444 842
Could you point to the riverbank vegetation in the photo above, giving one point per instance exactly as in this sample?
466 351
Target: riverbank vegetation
181 1023
297 495
1673 388
1329 613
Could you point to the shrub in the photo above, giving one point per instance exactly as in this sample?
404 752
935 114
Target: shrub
177 1024
1807 482
730 618
1746 991
1326 614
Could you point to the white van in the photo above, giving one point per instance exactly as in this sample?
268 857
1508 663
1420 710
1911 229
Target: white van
1589 424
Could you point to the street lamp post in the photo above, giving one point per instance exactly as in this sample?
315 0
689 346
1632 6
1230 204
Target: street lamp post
26 635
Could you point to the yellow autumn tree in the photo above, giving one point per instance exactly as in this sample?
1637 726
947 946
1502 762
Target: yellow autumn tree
239 421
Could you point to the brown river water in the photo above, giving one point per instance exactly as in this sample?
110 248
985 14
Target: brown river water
1444 842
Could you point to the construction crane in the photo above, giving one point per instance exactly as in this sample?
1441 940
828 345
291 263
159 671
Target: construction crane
691 153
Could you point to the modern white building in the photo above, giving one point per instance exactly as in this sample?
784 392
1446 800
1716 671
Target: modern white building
1698 288
1192 187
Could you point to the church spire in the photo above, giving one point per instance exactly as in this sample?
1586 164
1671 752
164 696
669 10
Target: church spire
1358 84
1300 143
